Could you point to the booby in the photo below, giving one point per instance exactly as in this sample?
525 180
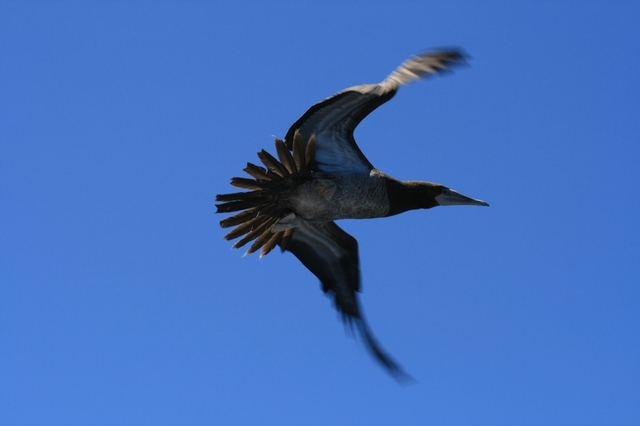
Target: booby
321 176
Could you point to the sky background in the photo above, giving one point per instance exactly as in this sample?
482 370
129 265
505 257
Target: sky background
121 304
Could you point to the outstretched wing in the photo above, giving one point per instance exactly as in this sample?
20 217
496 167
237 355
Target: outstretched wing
332 255
334 119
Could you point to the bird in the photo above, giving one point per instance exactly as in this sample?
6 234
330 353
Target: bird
320 175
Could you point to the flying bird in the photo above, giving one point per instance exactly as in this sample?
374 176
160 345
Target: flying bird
320 175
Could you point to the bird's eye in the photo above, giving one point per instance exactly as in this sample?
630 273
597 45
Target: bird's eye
446 191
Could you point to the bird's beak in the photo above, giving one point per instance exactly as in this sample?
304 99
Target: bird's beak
453 198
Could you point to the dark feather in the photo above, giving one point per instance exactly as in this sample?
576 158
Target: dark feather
235 206
240 196
285 156
270 245
239 218
310 152
272 164
260 241
246 227
257 172
255 232
286 237
298 154
252 185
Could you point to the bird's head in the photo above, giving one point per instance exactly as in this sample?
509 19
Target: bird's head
410 195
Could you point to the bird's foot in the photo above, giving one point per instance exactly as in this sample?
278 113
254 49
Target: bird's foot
288 222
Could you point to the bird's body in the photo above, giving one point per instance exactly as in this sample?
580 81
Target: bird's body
321 176
333 196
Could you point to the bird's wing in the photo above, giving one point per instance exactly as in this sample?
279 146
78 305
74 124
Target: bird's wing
334 119
332 255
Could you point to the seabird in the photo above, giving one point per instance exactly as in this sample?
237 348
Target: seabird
320 176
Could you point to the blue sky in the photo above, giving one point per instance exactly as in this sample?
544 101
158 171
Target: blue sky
120 303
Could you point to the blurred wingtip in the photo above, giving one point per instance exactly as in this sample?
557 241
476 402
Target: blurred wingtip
390 365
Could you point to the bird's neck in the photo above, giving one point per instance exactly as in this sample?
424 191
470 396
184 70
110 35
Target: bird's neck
410 195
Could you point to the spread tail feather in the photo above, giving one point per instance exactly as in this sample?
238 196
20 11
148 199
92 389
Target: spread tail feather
260 208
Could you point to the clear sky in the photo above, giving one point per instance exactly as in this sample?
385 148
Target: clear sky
121 304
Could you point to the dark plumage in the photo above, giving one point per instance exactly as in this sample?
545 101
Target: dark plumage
320 176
